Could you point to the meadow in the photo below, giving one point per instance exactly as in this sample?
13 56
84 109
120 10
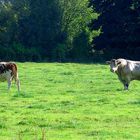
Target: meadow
69 102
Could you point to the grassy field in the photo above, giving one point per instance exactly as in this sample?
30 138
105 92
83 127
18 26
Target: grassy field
69 102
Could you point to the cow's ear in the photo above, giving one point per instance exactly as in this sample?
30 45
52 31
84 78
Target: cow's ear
108 62
119 62
113 60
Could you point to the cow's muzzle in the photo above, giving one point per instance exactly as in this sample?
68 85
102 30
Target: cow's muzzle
112 70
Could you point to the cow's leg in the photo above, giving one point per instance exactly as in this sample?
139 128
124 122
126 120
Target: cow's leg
9 84
126 85
9 80
127 82
18 84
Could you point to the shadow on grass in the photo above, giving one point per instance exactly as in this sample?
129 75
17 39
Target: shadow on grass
119 89
2 124
136 102
22 95
67 73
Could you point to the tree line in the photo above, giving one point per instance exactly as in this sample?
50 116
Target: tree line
50 30
69 30
120 28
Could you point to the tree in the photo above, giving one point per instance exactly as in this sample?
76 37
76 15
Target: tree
76 16
50 28
120 23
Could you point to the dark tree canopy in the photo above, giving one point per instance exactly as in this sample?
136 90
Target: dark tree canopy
69 30
43 29
120 23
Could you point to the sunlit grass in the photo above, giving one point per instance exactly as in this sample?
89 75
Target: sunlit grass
69 102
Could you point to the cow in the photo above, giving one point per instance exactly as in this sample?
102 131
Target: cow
8 72
127 70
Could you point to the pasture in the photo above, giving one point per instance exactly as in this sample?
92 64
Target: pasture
69 102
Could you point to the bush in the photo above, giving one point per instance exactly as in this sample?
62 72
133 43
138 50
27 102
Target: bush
59 53
81 47
18 52
26 54
6 53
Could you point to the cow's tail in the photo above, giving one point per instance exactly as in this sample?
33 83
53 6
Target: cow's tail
15 76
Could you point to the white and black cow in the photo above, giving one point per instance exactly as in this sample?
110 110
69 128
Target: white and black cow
8 72
127 70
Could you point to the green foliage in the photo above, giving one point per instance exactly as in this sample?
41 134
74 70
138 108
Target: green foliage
59 53
18 51
76 16
8 25
81 47
120 22
4 54
69 102
49 25
25 54
46 26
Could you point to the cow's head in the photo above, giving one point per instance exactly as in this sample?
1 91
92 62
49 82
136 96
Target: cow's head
114 65
2 68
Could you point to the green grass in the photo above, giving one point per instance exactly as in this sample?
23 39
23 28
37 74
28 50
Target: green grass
69 102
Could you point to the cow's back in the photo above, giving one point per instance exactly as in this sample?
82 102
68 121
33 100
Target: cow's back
135 69
7 70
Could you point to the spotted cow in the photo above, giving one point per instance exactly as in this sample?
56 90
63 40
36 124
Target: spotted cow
8 72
